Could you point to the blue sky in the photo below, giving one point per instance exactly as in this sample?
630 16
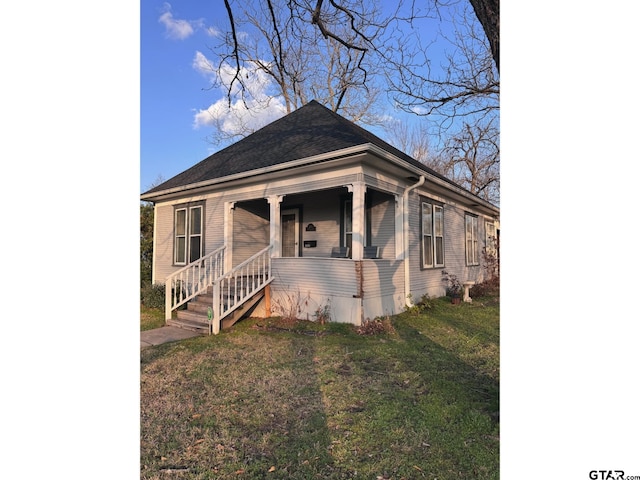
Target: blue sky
175 92
172 90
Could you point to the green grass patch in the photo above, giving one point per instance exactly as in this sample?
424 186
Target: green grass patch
283 400
151 318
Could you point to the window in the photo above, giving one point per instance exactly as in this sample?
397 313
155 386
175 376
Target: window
432 235
471 234
188 234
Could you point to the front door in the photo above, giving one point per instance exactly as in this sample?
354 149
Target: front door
290 232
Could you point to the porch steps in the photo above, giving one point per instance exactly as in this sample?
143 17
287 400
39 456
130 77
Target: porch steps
194 325
245 309
195 317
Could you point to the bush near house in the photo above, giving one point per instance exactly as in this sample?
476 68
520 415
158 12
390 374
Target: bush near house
489 287
152 295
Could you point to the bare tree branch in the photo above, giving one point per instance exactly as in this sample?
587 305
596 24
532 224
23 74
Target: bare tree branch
235 48
459 94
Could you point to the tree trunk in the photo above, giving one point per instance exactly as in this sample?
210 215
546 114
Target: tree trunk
488 13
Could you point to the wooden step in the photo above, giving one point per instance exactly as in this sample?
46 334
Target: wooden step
196 318
192 325
208 297
199 306
192 316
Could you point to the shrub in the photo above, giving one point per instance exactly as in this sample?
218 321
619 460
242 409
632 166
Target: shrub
425 303
289 305
490 287
322 314
491 260
454 287
375 326
152 295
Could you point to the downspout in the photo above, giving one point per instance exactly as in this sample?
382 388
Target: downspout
405 237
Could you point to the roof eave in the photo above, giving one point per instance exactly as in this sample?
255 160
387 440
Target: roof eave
150 197
475 200
356 149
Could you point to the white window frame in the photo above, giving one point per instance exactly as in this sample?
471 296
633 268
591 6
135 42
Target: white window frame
195 235
432 235
471 239
185 233
180 237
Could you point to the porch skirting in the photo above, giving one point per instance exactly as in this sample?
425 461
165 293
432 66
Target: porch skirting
349 291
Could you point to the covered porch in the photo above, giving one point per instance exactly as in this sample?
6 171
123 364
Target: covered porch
363 222
338 250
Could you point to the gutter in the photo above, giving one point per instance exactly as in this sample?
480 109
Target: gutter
345 152
405 239
337 154
451 187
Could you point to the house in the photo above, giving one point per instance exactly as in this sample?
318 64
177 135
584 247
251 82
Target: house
314 214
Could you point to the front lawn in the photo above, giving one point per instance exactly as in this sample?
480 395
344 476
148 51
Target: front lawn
268 399
151 318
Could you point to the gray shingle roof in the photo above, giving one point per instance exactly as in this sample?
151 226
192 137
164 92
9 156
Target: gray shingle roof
311 130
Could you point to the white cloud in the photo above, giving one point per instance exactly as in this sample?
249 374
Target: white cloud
259 108
213 32
238 118
177 29
418 110
202 65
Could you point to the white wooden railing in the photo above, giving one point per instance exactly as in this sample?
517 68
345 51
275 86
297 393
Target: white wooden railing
193 279
235 287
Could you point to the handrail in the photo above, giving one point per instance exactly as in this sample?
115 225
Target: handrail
235 287
193 279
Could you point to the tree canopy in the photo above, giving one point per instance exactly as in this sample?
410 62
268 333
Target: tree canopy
351 54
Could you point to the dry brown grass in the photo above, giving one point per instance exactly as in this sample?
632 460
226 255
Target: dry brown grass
267 399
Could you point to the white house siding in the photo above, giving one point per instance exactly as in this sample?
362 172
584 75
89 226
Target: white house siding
318 278
454 245
309 284
250 230
163 243
163 248
382 223
429 280
382 287
422 280
214 223
352 290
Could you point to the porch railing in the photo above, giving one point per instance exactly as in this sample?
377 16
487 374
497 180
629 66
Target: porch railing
235 287
193 279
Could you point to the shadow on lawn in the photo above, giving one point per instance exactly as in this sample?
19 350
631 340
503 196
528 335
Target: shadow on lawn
445 373
476 327
240 405
295 443
258 404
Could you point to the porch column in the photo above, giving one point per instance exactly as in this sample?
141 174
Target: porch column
399 229
229 207
358 190
274 224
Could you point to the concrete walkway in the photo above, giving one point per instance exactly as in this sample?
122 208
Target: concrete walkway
164 334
